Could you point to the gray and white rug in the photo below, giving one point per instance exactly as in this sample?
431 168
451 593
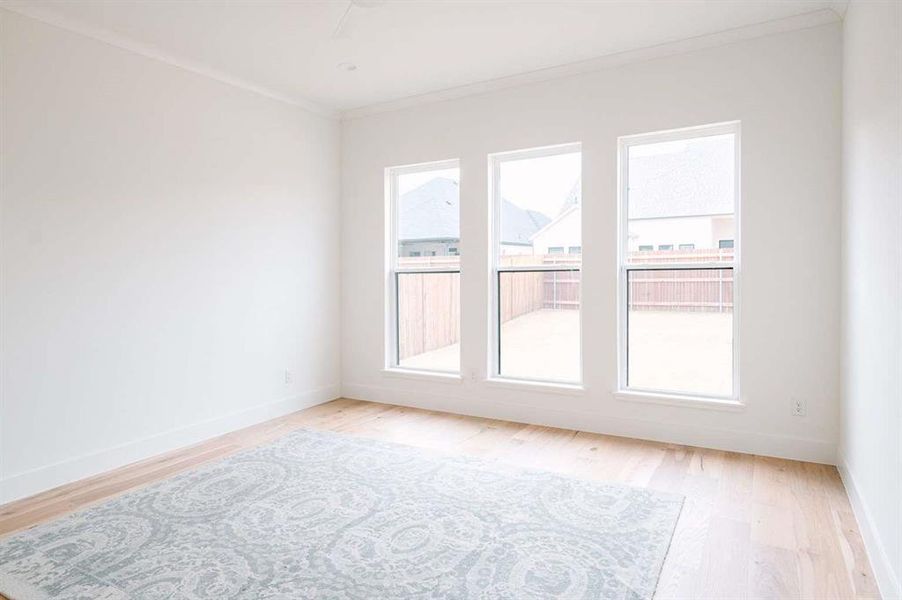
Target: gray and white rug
320 515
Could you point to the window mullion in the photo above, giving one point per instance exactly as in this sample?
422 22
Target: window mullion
538 269
413 270
676 266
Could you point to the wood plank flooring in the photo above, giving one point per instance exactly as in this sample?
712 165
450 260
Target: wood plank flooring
751 527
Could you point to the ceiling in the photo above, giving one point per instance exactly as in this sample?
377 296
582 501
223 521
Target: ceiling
401 48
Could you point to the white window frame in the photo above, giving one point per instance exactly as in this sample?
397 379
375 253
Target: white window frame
494 363
393 271
667 396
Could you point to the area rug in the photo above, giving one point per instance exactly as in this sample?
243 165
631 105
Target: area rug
321 515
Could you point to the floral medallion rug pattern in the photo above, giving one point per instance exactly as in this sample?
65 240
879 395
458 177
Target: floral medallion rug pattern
321 515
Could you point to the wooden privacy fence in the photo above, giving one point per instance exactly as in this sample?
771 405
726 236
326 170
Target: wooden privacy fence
708 290
429 303
685 290
428 312
522 292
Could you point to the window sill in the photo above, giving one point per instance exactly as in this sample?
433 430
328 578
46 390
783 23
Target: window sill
573 389
679 400
436 376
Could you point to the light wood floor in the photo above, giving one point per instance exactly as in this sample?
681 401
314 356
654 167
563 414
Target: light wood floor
751 527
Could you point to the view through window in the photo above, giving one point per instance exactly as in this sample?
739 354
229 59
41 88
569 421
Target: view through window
426 266
679 267
538 260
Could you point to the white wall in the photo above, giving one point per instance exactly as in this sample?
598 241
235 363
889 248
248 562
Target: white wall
870 450
169 248
786 89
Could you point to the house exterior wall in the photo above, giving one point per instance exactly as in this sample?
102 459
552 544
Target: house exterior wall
430 248
564 233
701 232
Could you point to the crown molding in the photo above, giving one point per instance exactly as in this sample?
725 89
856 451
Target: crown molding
607 61
101 34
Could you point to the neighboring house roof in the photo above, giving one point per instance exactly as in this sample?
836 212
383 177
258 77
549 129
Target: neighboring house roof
432 211
572 203
697 181
568 208
518 224
574 198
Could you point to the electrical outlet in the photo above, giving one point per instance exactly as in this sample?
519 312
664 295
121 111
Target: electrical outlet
799 408
288 376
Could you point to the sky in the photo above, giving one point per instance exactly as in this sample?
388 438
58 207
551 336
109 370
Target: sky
540 184
412 181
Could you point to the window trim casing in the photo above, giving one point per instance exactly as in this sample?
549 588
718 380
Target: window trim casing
667 396
392 270
493 362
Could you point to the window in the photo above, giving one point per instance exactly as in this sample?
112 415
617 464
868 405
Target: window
423 321
678 325
536 285
646 248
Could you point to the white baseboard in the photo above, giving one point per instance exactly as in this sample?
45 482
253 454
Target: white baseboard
764 444
887 580
31 482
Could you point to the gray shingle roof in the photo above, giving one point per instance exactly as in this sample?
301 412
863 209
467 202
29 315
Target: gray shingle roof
518 224
697 181
432 211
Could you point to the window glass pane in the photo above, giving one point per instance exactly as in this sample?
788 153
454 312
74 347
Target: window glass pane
681 191
539 325
680 331
540 210
428 213
429 321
